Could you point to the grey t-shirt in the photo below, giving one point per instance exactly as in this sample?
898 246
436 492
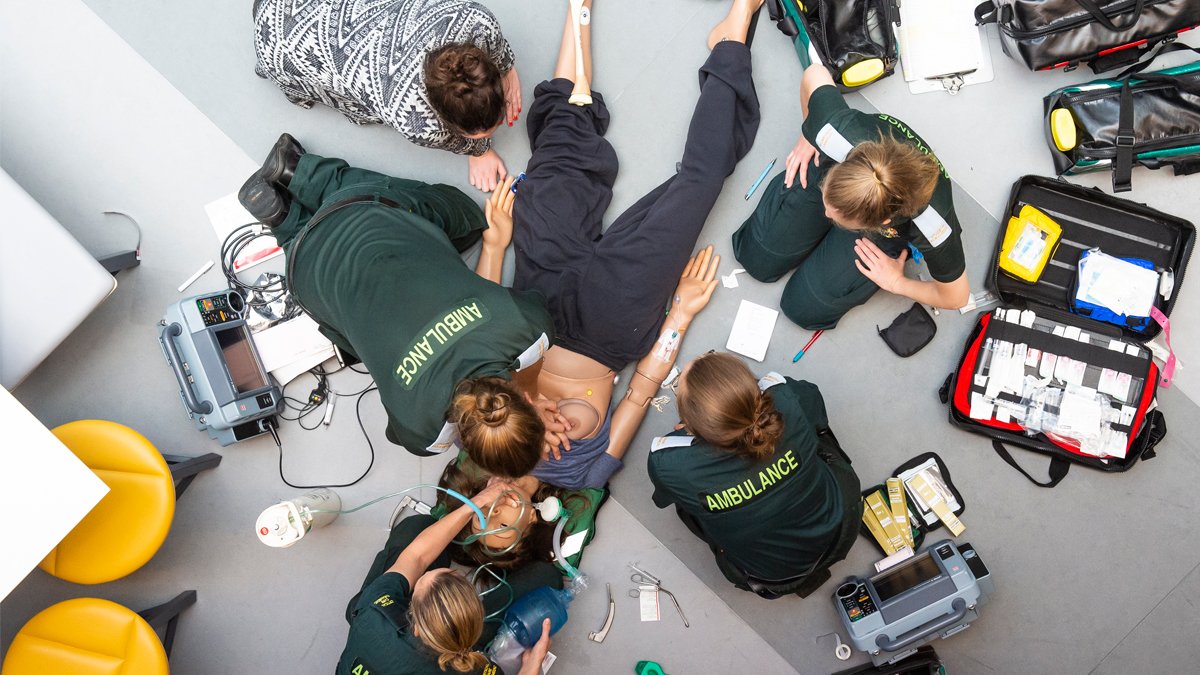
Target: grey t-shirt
586 465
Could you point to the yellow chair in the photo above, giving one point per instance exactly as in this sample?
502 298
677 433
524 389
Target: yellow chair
88 636
130 523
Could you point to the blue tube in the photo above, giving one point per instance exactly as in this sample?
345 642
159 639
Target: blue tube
478 512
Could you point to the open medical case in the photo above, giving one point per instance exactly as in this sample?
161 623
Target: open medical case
1004 382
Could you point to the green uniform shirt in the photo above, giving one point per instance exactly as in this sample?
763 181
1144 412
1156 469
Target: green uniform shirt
775 517
389 287
835 128
380 641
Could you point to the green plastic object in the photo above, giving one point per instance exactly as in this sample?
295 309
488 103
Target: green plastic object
648 668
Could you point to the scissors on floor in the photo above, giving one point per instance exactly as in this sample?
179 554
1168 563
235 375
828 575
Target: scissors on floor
643 578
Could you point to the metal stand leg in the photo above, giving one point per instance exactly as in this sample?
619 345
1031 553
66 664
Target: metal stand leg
166 616
184 469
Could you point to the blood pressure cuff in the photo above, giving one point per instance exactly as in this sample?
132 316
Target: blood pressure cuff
847 32
1102 313
1151 120
910 332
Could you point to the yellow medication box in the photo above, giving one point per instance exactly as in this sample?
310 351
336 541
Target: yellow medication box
1029 242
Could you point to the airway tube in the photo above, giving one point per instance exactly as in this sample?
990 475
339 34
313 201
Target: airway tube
572 573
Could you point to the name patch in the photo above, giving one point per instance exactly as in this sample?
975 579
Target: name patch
436 339
744 492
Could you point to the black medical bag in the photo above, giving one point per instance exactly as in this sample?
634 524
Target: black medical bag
1151 119
919 527
845 33
1045 34
1121 228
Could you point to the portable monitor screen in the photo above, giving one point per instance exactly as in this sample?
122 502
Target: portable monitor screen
239 359
894 582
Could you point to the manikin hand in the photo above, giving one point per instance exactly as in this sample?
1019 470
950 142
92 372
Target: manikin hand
498 211
486 170
797 162
512 95
557 427
878 266
696 284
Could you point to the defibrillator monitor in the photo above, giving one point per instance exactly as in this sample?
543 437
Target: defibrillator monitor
222 383
932 595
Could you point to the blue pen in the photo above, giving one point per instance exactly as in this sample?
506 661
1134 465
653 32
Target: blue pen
520 177
761 177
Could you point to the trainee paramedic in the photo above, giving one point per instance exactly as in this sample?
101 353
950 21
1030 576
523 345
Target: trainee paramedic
382 276
755 472
607 291
869 188
415 615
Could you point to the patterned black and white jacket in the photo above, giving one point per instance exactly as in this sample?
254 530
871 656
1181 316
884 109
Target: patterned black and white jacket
366 58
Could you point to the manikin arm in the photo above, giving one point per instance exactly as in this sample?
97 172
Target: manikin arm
696 286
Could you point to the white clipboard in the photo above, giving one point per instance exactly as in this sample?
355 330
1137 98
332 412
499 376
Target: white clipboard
941 48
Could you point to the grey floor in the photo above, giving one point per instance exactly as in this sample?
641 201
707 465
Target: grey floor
152 108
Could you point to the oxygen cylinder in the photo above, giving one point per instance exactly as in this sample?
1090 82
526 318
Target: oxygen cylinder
286 523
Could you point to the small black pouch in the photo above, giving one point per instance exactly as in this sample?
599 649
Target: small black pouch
910 332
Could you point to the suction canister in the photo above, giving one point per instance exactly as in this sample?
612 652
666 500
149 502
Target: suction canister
286 523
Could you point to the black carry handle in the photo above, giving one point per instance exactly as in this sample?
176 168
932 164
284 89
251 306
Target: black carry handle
1122 171
1103 19
1058 466
986 12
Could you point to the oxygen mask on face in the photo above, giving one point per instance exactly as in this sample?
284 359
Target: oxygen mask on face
508 519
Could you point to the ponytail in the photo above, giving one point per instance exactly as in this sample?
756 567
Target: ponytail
880 181
721 404
500 430
447 617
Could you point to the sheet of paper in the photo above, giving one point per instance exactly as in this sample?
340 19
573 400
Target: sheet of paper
937 37
292 347
751 332
730 280
648 602
226 215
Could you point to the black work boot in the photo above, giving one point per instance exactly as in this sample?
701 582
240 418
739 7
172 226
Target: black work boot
264 200
280 165
265 193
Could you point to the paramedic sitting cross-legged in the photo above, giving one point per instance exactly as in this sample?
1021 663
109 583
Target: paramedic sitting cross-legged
882 187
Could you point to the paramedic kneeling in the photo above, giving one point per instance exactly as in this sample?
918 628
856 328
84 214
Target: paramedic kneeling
882 187
756 473
415 616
